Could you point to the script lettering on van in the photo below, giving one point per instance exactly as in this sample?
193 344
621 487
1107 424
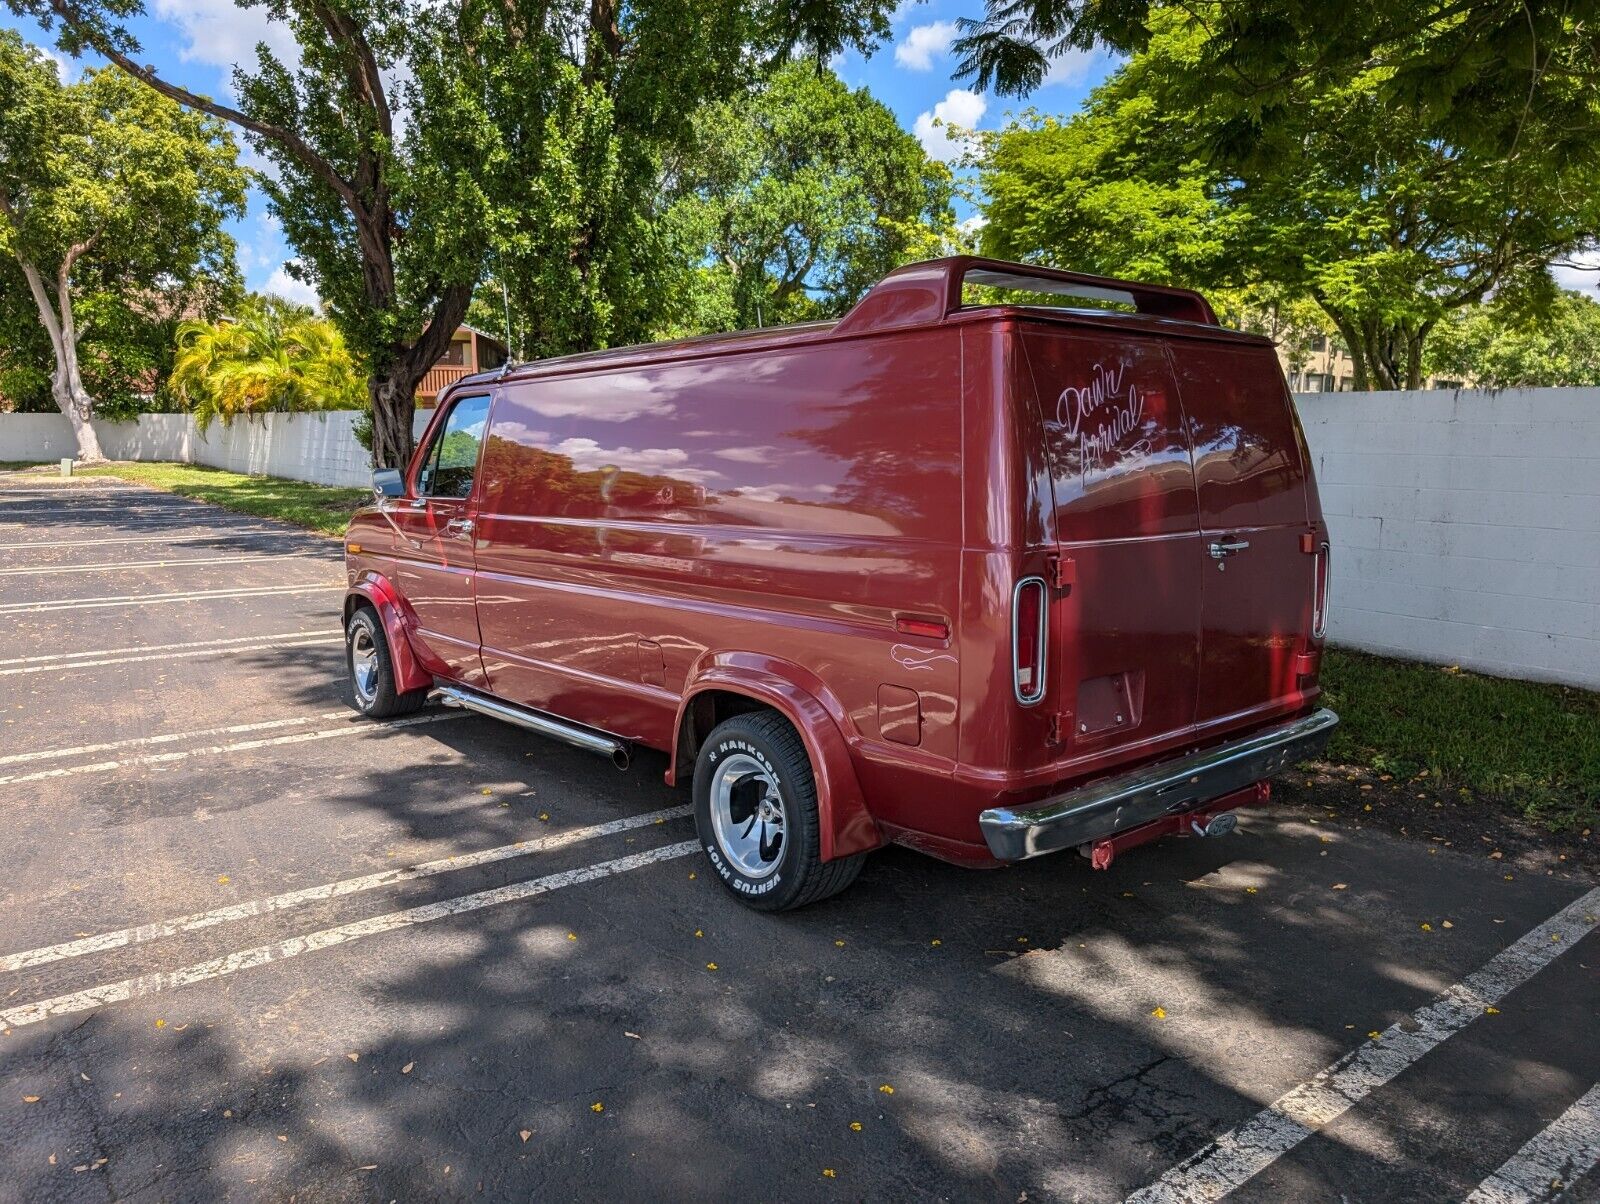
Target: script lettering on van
1101 416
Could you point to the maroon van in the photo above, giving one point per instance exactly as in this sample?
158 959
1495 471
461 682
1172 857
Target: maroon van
988 579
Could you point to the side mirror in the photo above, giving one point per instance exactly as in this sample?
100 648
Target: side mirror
387 482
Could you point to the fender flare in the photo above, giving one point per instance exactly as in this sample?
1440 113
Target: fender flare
379 593
845 824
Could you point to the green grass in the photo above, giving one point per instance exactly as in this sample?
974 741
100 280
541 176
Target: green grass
315 507
1534 748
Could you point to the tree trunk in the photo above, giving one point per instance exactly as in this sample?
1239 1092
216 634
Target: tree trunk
394 408
66 384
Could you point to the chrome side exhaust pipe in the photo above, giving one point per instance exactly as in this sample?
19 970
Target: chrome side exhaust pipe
537 721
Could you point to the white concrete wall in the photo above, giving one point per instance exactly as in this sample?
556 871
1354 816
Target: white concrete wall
1465 526
305 447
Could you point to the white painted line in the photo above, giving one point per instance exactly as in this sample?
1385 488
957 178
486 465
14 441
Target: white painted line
55 604
57 657
1565 1152
1245 1151
70 666
110 566
331 890
358 728
245 534
261 955
237 729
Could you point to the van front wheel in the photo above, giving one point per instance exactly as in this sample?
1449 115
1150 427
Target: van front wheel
366 654
755 808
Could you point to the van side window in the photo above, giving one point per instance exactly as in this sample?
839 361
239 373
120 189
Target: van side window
453 456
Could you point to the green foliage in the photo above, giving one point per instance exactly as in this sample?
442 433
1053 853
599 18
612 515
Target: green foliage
1502 76
1496 347
319 508
113 199
1535 747
269 355
797 197
1362 207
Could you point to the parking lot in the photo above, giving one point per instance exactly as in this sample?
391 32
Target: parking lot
255 947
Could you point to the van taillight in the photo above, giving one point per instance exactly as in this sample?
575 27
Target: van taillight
1319 593
1029 618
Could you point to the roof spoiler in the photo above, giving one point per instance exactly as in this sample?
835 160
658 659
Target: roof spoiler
931 291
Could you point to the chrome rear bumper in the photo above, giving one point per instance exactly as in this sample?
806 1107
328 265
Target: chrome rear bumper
1149 792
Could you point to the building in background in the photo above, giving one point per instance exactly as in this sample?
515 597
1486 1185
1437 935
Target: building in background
1328 368
470 351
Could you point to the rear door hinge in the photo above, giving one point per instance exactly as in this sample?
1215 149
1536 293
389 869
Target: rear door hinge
1063 571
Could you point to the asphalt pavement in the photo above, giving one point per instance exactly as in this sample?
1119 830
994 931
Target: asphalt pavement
255 947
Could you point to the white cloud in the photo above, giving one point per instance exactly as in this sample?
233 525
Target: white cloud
290 289
1580 272
223 34
959 111
973 224
1074 66
922 43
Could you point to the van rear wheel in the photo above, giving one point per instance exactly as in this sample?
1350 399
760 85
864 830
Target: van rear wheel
755 808
366 654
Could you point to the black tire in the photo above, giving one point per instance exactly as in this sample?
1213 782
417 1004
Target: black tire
771 750
364 638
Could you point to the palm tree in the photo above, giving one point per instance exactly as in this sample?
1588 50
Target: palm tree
272 355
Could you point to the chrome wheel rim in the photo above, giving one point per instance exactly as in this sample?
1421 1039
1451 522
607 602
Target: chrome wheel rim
747 815
364 663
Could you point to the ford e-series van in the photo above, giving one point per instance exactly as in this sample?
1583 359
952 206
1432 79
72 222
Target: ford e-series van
969 570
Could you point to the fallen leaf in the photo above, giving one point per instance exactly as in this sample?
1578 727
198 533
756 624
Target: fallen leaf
161 1024
1446 924
840 944
635 1036
406 1069
1341 886
572 936
1427 927
30 1099
227 1112
936 941
597 1106
829 1173
855 1126
371 1166
711 965
1159 1013
1374 1034
1491 1011
1249 890
691 875
886 1089
52 1159
354 1057
544 817
283 1137
84 1077
222 880
486 790
698 932
1497 855
524 1134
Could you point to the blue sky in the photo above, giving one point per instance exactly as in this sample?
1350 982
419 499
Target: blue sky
195 43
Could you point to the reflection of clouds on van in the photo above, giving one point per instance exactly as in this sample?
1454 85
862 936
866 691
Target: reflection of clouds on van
587 455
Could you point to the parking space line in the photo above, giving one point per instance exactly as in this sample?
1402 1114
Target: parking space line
237 729
46 660
243 533
19 608
1556 1158
261 955
1250 1148
68 666
350 728
332 890
110 566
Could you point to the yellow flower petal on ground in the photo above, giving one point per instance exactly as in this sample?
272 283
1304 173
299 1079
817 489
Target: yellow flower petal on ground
1159 1013
597 1106
886 1089
829 1173
711 965
855 1126
1491 1011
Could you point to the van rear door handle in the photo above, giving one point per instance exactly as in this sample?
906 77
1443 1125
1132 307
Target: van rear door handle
1221 549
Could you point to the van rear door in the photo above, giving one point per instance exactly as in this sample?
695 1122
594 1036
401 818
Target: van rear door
1126 622
1251 477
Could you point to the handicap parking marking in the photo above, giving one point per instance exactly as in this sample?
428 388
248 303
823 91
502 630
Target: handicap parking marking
232 963
351 727
1245 1151
66 662
178 562
333 890
59 604
1552 1161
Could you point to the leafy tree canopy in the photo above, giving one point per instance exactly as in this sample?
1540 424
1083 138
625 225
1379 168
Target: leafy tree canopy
269 354
1386 226
1493 74
112 202
794 198
1495 347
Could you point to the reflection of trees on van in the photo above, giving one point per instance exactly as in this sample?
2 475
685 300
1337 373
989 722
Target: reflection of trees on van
526 479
